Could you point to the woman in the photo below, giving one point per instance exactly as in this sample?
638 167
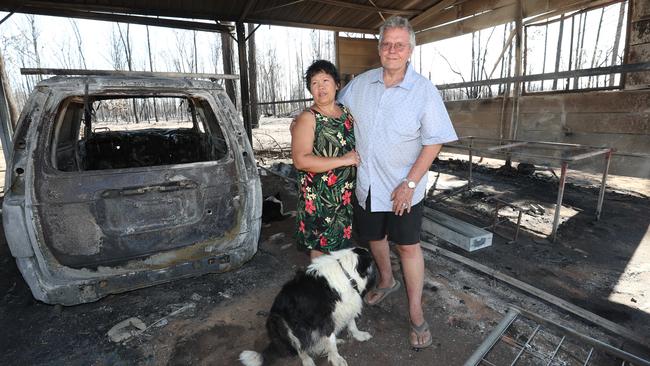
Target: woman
322 148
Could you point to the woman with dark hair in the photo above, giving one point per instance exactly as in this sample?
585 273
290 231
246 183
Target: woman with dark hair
322 148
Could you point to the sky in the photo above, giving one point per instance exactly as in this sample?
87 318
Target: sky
443 62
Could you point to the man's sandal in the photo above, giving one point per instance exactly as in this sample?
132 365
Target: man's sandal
420 333
382 292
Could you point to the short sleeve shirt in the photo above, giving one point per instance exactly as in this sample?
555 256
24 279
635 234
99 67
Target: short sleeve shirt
392 125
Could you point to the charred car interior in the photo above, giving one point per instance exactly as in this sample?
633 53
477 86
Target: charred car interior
118 183
87 140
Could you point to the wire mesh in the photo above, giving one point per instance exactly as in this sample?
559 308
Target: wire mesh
524 338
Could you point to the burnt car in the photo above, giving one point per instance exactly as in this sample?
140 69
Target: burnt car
116 183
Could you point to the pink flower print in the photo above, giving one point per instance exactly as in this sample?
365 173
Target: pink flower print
347 232
346 197
331 180
309 206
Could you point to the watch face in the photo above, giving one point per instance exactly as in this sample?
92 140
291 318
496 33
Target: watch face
411 184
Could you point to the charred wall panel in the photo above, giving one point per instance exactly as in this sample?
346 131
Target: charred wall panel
611 118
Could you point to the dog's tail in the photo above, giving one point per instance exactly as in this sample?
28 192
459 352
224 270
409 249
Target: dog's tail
279 347
252 358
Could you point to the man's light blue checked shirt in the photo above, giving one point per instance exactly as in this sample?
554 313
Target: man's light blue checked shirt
391 126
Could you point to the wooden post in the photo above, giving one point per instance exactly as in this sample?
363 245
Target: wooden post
226 50
252 69
243 79
517 87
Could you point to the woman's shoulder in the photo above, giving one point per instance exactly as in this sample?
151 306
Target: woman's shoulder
305 118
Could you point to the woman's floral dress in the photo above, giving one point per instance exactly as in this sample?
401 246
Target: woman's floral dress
324 212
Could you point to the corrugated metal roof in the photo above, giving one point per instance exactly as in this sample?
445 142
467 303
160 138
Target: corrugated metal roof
364 16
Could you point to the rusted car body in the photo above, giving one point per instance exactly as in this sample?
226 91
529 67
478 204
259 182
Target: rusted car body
89 211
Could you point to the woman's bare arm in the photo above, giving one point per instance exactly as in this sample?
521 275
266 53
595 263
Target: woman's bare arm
302 145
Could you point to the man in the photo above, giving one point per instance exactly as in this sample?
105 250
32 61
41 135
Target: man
401 124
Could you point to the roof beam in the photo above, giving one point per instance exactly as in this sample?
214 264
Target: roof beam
462 18
370 8
310 26
472 24
432 11
566 9
463 10
133 19
249 5
471 8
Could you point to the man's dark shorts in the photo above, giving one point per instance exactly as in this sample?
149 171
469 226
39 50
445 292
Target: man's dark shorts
402 230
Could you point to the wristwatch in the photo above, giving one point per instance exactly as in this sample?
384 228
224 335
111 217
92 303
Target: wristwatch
409 183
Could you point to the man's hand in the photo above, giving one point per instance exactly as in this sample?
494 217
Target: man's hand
402 198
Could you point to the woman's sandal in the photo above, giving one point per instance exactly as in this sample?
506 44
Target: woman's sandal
382 292
420 332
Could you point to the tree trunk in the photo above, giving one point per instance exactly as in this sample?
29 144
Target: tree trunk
155 107
559 49
582 22
545 49
503 59
573 27
196 56
593 56
34 34
77 35
11 102
126 43
619 27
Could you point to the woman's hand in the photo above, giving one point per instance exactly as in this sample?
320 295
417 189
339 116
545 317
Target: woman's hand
351 158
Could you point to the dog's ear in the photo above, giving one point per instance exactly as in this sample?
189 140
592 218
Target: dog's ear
364 261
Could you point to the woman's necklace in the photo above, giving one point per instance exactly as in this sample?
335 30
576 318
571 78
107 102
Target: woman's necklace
334 113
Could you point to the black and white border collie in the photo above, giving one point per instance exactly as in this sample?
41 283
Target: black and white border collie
313 307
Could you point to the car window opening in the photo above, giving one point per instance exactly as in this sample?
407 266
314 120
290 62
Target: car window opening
117 132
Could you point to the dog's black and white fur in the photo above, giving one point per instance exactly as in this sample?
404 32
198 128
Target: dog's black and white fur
315 306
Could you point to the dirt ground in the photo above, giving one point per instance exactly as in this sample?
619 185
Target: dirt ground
602 266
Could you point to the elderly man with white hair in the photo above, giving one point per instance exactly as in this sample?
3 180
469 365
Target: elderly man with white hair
401 124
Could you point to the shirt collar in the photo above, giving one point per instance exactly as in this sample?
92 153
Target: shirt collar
406 83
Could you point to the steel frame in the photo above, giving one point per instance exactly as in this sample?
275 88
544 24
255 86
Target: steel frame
508 148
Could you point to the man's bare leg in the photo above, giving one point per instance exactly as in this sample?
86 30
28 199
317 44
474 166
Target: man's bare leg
381 253
413 269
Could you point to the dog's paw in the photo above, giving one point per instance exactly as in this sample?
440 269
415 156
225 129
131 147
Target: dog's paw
337 360
362 336
308 362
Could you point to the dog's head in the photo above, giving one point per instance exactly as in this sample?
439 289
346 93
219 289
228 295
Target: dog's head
356 262
365 268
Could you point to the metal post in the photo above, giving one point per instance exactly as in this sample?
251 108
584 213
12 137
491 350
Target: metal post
518 225
495 217
603 185
493 338
469 178
558 204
